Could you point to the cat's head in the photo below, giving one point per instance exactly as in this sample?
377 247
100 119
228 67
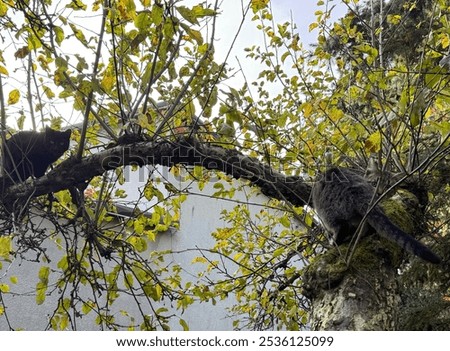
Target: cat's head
57 141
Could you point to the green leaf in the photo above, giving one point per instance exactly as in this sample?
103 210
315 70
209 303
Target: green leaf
278 252
78 34
59 35
43 274
415 117
42 285
143 21
284 220
157 15
285 56
199 11
140 244
187 14
87 307
184 325
191 15
21 121
48 92
193 34
63 263
434 78
128 281
61 63
34 42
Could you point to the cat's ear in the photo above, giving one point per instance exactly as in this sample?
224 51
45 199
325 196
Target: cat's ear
68 132
48 129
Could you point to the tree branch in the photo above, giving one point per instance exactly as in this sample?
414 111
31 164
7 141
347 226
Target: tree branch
167 153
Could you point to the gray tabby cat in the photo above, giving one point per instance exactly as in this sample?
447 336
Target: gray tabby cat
341 198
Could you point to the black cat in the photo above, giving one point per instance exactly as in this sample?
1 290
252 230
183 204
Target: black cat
30 153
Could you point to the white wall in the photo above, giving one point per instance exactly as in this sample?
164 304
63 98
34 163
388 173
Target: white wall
200 216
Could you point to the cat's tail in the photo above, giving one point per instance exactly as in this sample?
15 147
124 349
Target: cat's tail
384 227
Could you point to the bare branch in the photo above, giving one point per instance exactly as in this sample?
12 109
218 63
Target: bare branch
94 74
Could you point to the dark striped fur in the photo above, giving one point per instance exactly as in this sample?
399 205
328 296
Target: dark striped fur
341 198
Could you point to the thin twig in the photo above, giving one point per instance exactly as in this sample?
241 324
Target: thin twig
94 75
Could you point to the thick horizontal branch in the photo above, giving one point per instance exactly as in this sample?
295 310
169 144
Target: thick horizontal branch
167 153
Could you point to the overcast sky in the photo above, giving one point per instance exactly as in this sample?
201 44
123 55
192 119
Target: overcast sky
301 12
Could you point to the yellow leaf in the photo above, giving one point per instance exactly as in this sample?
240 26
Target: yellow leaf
4 288
127 9
5 246
13 97
34 42
108 82
238 256
307 109
394 19
48 92
78 34
146 3
87 307
150 234
3 71
259 5
64 322
3 9
373 142
43 274
158 292
313 26
41 290
445 42
77 5
199 260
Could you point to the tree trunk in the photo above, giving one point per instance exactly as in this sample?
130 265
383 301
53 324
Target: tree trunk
367 291
361 296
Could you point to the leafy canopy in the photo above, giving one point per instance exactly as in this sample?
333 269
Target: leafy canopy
148 68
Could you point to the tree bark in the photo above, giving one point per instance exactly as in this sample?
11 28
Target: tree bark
363 295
